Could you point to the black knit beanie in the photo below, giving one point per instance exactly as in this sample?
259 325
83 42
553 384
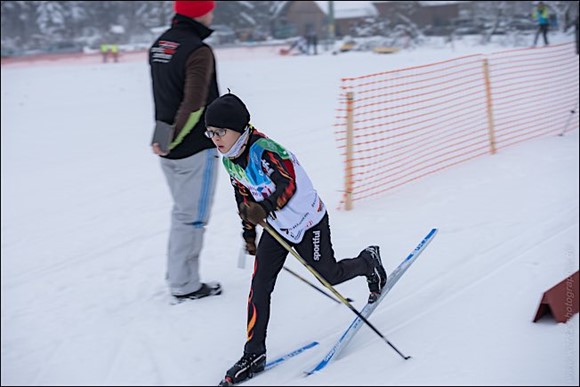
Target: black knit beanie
227 111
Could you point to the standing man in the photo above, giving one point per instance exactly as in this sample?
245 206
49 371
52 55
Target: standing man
184 79
542 17
105 52
115 52
311 40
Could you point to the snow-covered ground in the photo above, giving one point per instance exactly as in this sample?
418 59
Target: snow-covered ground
85 217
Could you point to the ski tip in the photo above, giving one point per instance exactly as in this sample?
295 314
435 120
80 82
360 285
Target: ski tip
226 382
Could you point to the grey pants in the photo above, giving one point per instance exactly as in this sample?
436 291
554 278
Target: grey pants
192 183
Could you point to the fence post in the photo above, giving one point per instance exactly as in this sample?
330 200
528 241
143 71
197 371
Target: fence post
349 145
490 123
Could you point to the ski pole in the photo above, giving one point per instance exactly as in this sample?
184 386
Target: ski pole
568 120
327 285
242 257
314 286
242 265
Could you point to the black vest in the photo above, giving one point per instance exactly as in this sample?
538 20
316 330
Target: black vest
168 58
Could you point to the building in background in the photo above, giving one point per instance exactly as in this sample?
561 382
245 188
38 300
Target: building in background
352 18
297 18
421 13
37 27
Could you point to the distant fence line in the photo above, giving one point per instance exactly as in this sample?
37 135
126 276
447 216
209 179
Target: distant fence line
398 126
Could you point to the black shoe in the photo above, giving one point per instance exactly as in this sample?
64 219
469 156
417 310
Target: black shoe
249 365
209 289
378 276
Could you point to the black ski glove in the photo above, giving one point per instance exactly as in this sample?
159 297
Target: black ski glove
250 245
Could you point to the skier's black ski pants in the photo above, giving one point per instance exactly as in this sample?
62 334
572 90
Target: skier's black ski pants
316 249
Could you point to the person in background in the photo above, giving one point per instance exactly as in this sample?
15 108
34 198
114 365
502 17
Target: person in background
105 52
184 82
542 16
270 185
115 52
311 41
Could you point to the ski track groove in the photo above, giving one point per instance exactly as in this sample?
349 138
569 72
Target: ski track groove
496 268
560 229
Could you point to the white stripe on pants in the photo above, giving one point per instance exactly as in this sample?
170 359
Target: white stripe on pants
192 183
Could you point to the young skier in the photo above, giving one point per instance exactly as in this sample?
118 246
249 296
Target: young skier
270 185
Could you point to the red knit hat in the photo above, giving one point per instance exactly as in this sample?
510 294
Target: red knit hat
193 9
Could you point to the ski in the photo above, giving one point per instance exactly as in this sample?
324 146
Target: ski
273 363
281 359
353 328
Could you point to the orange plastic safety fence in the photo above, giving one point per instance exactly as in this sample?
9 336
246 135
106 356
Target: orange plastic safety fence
534 92
409 123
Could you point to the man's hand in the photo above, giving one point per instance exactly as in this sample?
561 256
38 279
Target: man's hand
250 245
158 150
252 212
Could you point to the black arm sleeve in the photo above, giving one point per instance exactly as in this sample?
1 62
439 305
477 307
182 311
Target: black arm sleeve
281 172
242 196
